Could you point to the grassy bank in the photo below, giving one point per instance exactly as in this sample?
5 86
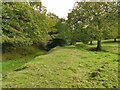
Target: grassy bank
72 66
18 57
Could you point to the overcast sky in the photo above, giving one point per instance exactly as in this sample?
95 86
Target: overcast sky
59 7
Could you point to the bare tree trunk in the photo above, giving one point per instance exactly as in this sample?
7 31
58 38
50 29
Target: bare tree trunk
115 39
99 45
91 43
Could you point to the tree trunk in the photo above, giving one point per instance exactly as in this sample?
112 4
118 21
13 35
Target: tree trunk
91 43
115 40
72 43
99 45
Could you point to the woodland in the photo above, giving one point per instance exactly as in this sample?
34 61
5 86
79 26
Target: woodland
42 50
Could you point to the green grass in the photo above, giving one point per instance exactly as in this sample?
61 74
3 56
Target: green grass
16 58
21 52
67 67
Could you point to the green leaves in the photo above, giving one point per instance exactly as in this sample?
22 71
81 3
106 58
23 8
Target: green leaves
23 24
93 20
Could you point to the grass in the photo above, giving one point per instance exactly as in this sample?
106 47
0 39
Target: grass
16 58
21 52
67 67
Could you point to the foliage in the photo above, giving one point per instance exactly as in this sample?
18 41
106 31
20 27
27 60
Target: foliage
93 21
25 24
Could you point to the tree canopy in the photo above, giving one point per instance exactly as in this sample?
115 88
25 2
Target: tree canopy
28 23
93 21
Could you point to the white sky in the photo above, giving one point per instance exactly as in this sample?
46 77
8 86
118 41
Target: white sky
59 7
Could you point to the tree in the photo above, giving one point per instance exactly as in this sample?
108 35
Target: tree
92 19
53 16
23 25
58 32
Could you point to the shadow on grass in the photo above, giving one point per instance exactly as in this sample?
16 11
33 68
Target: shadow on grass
102 50
91 48
81 46
110 42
